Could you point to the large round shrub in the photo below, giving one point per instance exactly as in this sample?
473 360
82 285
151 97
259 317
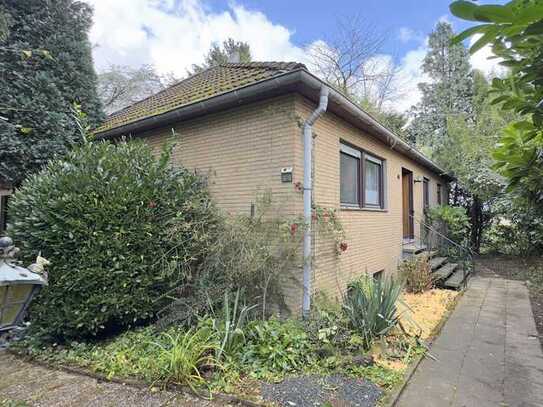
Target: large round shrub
121 229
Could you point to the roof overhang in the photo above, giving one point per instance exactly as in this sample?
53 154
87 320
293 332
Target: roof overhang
300 81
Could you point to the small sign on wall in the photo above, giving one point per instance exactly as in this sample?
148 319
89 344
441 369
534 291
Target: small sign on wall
286 174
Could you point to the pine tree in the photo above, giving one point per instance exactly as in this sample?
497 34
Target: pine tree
217 55
449 93
46 69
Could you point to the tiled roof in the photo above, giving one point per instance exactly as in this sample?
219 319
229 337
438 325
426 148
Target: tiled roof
211 82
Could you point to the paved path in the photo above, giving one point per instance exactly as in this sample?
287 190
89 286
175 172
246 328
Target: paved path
487 354
25 384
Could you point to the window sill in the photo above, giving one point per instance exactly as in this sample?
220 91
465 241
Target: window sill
357 208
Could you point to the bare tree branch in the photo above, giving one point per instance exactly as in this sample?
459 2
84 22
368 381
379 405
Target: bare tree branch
352 59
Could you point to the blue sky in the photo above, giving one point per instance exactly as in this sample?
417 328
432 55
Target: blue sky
174 34
309 20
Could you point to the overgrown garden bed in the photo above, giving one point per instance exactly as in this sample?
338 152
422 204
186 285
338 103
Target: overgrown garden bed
274 352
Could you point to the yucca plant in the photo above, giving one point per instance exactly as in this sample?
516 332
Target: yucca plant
370 306
181 357
230 326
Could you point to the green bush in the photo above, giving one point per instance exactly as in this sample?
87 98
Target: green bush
452 220
517 229
416 274
370 305
121 229
275 346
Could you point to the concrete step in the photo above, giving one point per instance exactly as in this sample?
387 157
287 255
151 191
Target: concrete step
429 254
413 249
437 262
444 271
456 280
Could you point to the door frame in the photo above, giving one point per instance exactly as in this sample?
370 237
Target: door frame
411 209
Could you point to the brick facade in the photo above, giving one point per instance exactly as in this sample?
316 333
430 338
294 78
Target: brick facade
243 149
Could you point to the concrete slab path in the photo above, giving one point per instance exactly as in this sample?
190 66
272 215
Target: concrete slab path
488 353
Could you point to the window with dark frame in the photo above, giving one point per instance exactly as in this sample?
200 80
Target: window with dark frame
439 202
378 275
3 213
361 179
426 192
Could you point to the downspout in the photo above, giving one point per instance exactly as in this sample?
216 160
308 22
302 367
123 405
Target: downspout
308 186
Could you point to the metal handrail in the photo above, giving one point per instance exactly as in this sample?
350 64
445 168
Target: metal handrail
468 254
466 249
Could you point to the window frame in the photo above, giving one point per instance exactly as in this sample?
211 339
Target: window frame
439 195
363 156
4 198
425 193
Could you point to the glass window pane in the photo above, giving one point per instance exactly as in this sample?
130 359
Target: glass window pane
349 179
372 183
425 192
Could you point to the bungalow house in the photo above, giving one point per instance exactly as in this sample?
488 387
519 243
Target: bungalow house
246 125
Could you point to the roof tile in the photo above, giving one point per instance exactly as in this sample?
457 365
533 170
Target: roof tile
204 85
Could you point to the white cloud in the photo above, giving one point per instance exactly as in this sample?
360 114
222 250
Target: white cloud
482 60
174 34
409 75
406 34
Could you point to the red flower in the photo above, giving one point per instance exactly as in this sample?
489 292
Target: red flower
293 229
343 246
152 204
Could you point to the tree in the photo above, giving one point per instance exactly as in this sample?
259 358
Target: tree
231 49
467 153
394 121
515 32
120 86
47 77
351 60
449 93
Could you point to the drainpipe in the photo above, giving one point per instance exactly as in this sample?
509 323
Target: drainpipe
308 186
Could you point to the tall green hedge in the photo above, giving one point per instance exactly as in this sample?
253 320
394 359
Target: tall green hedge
121 229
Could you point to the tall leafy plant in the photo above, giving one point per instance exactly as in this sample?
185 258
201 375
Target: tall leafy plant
230 324
182 357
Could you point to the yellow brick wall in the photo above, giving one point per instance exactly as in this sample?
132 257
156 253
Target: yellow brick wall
241 151
374 237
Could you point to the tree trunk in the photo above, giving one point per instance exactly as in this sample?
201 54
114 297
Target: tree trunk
476 224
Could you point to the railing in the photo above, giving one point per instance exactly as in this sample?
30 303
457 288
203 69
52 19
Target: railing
434 239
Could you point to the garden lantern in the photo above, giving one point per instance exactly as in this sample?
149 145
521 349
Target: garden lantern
17 286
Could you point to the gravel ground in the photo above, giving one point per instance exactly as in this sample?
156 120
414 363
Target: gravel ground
26 384
310 391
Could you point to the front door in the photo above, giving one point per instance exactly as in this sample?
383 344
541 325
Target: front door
407 204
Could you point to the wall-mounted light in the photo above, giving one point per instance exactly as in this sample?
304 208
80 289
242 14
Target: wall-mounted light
418 179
